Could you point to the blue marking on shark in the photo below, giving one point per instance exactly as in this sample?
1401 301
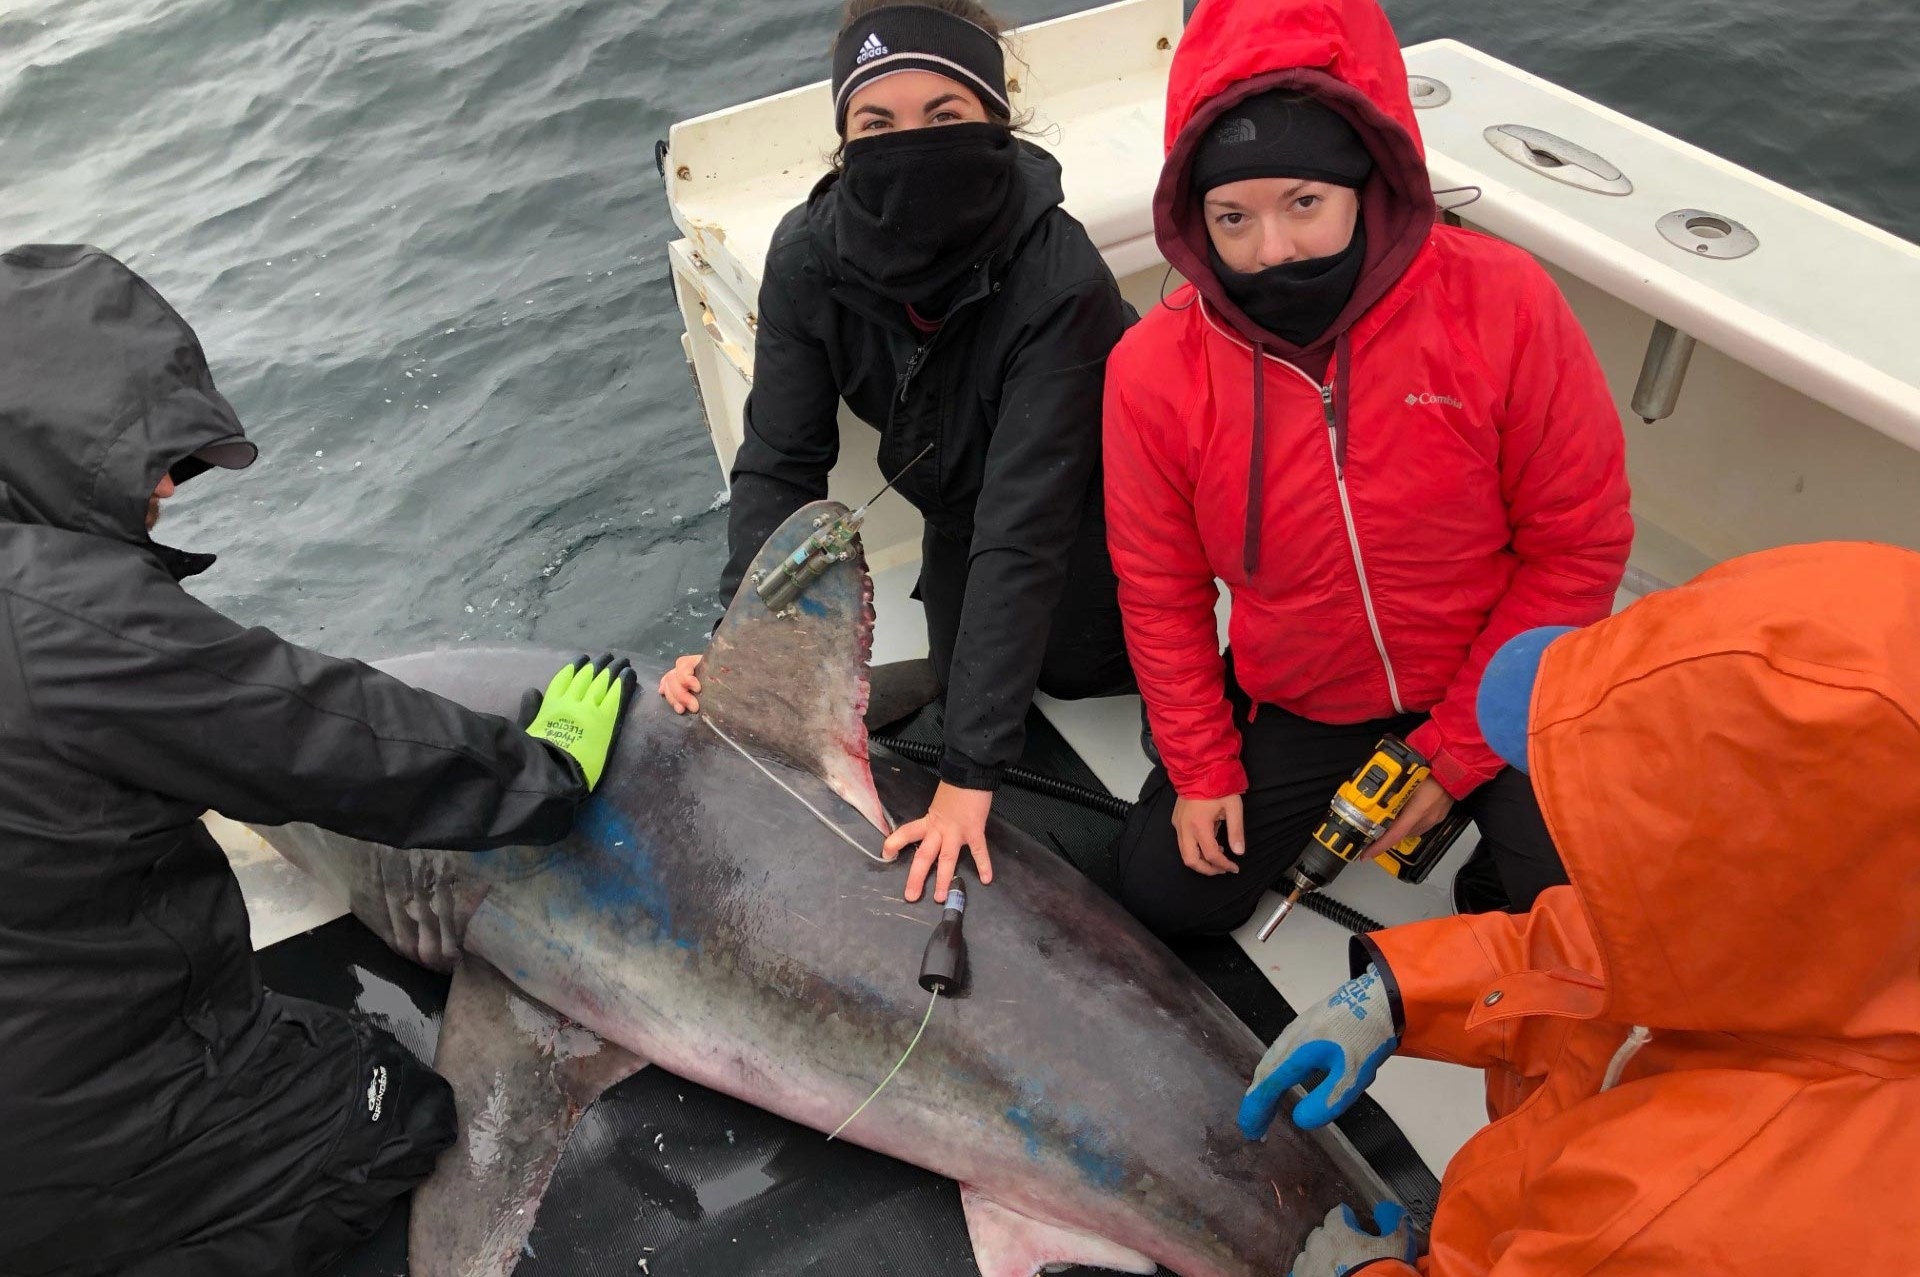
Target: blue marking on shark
1085 1147
1024 1123
626 882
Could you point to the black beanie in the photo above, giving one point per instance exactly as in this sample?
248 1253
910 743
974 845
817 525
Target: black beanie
918 37
1281 133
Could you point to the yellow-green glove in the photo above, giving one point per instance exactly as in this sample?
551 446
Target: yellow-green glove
582 710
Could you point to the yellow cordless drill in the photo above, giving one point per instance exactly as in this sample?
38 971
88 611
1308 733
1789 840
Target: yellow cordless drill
1361 812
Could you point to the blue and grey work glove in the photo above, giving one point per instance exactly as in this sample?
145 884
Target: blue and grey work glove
1341 1245
1345 1037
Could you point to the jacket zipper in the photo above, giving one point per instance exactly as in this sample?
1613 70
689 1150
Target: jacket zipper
1346 505
914 363
918 357
917 360
1353 533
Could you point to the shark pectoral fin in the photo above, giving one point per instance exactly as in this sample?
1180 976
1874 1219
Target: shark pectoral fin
794 686
1009 1244
522 1076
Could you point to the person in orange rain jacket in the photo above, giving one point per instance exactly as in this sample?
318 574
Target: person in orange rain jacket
1703 1056
1389 438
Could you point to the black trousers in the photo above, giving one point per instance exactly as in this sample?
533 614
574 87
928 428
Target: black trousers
1294 766
1086 653
329 1122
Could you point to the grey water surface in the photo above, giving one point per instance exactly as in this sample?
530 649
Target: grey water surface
424 245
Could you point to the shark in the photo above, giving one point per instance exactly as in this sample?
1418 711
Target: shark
721 910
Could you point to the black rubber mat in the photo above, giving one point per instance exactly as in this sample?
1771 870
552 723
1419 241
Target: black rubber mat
667 1179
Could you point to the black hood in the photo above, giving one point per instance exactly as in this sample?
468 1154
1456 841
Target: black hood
1041 192
103 389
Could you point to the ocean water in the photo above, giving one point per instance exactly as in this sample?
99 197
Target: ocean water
424 246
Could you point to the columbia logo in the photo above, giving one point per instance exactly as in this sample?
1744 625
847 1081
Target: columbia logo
870 50
1236 131
1414 401
377 1092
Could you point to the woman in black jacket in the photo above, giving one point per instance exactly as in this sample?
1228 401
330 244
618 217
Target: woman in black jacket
934 283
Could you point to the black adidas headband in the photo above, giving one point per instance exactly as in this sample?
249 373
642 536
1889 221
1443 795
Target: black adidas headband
916 37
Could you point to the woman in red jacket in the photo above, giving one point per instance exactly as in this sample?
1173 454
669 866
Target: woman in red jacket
1388 438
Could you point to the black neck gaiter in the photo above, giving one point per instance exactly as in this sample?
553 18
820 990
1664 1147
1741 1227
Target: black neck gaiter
920 208
1299 301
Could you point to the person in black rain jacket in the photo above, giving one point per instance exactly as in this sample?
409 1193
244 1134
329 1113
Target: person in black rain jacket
933 282
160 1114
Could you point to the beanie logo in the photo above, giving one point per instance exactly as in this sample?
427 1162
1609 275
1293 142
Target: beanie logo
870 50
1232 132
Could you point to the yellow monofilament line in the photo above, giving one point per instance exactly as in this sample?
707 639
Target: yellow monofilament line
926 1020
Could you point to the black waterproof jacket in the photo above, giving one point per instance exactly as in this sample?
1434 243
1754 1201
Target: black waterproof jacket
1008 392
129 998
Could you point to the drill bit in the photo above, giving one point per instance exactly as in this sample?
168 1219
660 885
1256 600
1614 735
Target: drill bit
1286 907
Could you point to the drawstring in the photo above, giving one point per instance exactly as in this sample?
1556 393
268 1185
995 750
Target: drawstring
1456 190
1638 1038
1257 464
1336 400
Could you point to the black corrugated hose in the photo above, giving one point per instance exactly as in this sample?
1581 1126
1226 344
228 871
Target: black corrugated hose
928 755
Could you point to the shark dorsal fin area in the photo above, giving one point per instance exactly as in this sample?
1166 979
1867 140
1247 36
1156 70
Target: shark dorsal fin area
794 686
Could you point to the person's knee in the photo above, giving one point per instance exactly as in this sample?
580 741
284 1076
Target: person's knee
1154 888
428 1125
399 1127
1141 857
1181 915
1516 839
1153 908
1068 685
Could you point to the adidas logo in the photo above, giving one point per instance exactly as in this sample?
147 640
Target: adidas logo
1414 401
377 1092
1236 131
870 50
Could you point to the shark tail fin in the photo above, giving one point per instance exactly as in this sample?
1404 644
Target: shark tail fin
523 1076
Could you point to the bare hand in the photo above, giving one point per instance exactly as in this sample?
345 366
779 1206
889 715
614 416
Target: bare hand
678 685
1426 807
956 818
1195 821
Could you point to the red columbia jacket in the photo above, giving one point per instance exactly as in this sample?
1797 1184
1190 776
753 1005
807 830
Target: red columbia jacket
1727 769
1443 469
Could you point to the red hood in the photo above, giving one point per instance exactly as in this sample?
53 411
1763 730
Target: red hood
1344 52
